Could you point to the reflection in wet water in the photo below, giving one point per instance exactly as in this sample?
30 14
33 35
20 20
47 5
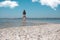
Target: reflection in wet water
24 22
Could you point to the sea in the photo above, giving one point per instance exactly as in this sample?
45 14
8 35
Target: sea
18 22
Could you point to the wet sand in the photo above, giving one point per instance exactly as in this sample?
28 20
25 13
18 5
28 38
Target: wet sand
39 32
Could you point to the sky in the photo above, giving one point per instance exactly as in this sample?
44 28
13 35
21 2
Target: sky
33 8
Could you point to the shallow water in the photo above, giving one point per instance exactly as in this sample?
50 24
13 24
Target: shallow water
17 22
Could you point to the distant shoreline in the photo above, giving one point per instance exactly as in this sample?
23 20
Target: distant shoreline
30 18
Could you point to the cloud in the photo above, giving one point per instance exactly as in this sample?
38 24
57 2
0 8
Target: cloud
52 3
8 3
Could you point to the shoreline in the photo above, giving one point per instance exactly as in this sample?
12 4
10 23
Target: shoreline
40 24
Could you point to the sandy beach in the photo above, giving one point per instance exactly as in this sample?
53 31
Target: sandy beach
29 20
39 32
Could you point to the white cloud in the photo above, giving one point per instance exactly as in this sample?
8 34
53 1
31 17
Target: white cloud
8 3
52 3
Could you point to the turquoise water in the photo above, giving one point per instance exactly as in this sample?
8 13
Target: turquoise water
17 22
